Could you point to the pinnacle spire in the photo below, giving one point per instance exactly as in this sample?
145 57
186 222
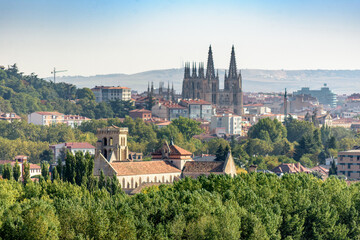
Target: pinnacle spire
210 71
232 68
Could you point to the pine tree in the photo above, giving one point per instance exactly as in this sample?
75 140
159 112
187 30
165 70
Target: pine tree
332 143
115 188
16 171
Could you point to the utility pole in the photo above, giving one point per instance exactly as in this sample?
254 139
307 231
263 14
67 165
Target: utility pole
54 72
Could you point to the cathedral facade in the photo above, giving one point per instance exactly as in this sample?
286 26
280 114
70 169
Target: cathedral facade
198 84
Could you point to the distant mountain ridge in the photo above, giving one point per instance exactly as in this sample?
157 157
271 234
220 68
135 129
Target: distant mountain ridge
254 80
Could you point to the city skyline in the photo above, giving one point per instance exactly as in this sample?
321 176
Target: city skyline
89 38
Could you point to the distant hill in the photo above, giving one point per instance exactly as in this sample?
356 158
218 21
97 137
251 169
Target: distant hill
254 80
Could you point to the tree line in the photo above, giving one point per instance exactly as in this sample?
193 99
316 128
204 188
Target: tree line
248 206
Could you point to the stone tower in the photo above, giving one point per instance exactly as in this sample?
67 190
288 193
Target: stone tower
112 143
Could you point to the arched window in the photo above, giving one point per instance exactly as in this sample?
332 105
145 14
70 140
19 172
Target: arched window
155 179
128 185
105 153
132 182
123 185
148 179
111 141
171 178
104 141
139 180
136 185
163 180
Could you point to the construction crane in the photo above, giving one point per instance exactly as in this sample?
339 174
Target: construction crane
55 72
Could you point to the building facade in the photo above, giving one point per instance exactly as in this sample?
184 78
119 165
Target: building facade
144 114
226 124
111 93
198 85
169 110
325 96
73 147
348 164
46 118
198 109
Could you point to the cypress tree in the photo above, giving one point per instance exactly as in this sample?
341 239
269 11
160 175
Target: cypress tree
102 182
45 171
26 177
7 172
16 171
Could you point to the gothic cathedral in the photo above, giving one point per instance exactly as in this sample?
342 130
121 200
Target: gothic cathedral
198 85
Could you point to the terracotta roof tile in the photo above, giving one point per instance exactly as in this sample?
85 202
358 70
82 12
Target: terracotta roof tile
143 168
79 145
203 166
50 113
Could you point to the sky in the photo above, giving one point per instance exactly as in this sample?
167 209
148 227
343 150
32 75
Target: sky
111 36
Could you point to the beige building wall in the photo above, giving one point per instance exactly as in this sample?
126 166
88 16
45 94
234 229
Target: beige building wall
130 182
348 164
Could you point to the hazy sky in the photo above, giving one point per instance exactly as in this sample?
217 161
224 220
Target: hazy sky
100 37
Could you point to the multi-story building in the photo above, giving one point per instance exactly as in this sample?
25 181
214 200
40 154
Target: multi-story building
198 109
325 96
169 110
10 117
46 118
140 113
198 85
226 124
348 163
73 147
110 93
75 120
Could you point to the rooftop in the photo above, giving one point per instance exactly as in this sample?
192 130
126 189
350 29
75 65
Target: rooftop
203 166
108 87
143 168
50 113
195 101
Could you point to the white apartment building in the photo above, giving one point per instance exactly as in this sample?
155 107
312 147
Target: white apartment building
73 147
226 123
46 118
110 93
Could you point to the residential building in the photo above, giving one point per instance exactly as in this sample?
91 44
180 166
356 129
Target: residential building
325 96
256 109
73 147
10 117
348 163
228 123
144 114
290 168
197 108
46 118
75 120
169 110
34 169
110 93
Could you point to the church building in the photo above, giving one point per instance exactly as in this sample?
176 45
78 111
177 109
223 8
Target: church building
200 85
168 164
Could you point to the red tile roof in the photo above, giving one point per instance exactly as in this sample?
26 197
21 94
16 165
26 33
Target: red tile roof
143 168
290 168
195 101
140 110
108 87
321 170
79 145
34 166
50 113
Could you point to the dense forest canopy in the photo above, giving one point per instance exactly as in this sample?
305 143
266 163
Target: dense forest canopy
249 206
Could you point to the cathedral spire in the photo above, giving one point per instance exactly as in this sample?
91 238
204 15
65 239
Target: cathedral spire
210 71
232 68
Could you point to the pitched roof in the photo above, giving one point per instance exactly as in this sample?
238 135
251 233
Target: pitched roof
195 101
79 145
173 152
321 170
34 166
143 168
203 166
50 113
140 110
290 168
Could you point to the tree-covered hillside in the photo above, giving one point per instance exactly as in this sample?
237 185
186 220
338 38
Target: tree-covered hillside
25 94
